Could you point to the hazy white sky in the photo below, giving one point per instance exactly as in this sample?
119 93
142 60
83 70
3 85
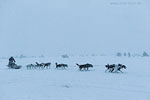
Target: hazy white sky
34 27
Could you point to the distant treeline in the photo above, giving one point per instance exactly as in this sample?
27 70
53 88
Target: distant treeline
118 54
128 54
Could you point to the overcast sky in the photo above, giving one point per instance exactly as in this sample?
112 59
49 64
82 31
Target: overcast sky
34 27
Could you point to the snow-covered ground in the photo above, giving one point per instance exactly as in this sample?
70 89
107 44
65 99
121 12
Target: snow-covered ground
72 84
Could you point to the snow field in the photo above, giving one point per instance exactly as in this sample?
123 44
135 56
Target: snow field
72 84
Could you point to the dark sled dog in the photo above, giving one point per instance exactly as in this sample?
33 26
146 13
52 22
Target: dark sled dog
61 65
84 66
46 65
115 68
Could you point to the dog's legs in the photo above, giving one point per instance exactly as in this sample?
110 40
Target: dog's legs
106 70
80 68
112 70
87 68
120 71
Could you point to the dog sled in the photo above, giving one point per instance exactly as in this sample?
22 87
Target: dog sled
14 66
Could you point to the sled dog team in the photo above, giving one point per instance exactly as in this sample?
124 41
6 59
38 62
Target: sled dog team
37 65
85 67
